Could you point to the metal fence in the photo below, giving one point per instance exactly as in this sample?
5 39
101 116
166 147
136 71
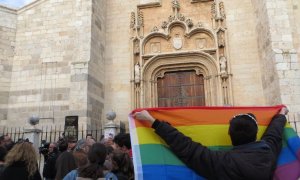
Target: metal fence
53 133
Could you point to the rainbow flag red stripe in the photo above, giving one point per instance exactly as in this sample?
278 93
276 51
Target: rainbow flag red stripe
208 125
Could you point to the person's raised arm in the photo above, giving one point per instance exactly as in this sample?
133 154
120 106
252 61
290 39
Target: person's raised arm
274 132
144 116
194 155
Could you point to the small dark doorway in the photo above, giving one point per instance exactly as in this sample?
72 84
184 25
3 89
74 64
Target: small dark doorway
71 126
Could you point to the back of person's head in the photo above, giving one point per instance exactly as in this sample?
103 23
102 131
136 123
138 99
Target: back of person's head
3 153
121 162
123 140
62 145
64 164
243 129
96 157
97 154
23 151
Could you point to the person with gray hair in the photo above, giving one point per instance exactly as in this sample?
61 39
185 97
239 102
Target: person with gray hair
49 170
80 145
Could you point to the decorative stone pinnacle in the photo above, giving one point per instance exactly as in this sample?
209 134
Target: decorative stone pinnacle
176 6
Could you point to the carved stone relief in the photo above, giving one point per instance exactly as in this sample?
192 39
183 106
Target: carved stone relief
137 73
177 42
155 29
171 18
213 10
218 14
132 20
140 18
136 47
222 10
178 31
181 17
221 38
164 25
175 4
155 47
201 43
223 66
190 23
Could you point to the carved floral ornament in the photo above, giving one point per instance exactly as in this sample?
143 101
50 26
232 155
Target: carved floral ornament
171 20
207 41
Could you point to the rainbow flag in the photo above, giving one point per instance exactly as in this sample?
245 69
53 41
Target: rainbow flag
208 125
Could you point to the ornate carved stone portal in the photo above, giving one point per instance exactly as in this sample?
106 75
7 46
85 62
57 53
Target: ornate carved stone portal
180 55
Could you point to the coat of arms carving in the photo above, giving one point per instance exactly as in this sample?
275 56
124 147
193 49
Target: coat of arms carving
177 42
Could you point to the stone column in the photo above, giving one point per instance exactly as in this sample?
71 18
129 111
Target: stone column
110 128
33 135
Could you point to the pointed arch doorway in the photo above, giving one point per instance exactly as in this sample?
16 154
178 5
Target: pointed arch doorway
163 68
180 89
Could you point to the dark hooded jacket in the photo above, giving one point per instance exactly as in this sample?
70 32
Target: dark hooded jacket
18 171
255 160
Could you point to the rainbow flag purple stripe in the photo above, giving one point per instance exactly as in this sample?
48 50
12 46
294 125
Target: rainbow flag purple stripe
208 125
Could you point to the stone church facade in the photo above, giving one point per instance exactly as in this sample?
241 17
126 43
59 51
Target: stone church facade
84 58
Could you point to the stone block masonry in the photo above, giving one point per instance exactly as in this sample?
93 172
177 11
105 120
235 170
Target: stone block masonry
8 18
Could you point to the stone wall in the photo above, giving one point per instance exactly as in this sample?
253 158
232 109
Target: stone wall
278 41
294 19
49 75
243 53
118 57
8 18
96 78
76 57
269 76
294 61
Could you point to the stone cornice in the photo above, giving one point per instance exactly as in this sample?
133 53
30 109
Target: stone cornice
30 5
8 9
149 5
197 1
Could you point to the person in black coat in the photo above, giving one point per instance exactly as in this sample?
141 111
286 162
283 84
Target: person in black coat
50 157
3 153
249 159
21 163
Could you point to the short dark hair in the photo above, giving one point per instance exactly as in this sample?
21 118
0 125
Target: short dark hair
123 139
243 129
62 145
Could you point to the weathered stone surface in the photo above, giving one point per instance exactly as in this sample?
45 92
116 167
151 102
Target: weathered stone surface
8 18
78 57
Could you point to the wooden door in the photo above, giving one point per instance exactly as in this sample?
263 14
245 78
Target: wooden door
182 88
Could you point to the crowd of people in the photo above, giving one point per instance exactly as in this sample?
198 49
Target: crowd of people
68 159
111 158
